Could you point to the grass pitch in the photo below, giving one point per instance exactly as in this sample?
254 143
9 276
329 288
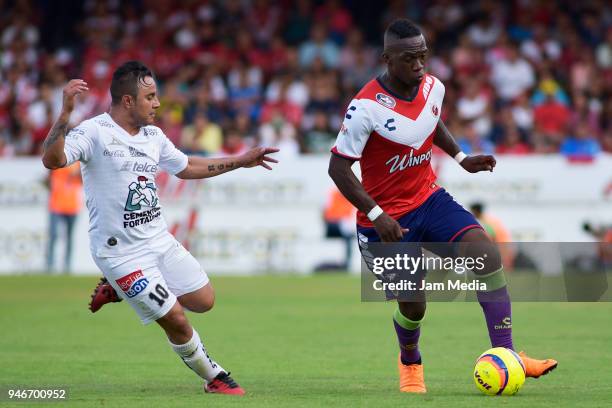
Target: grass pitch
289 341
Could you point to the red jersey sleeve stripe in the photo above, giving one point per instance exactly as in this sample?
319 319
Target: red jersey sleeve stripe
335 151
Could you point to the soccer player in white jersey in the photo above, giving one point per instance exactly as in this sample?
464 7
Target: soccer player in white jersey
390 127
121 151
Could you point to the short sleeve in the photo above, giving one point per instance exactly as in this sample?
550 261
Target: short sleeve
354 133
79 143
171 159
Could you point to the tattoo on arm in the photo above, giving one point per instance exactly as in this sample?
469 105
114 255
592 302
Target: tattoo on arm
58 130
221 166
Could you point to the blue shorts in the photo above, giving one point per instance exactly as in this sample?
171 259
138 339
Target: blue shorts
439 219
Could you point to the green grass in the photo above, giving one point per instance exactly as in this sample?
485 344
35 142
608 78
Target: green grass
290 341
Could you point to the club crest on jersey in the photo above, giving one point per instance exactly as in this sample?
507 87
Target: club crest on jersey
385 100
435 110
133 284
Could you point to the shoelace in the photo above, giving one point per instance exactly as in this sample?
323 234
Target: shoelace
226 379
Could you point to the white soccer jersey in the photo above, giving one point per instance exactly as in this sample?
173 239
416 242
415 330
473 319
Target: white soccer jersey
119 180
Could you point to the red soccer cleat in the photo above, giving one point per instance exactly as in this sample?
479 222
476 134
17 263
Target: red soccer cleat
103 294
223 384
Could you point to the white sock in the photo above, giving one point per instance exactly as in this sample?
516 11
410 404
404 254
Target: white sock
195 356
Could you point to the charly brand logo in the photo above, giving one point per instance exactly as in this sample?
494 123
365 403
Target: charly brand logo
114 153
385 100
506 323
435 110
407 161
115 142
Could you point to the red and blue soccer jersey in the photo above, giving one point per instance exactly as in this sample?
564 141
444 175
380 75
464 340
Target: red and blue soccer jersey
392 138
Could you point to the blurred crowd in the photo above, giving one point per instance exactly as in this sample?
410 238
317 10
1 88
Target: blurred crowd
521 76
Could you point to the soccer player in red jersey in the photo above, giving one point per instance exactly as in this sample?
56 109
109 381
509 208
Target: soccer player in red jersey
390 127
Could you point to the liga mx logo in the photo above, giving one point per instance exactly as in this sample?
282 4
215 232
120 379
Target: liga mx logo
133 284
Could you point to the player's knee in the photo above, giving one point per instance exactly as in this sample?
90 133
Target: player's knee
478 245
414 311
203 305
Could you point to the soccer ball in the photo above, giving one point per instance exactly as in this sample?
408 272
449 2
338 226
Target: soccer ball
499 371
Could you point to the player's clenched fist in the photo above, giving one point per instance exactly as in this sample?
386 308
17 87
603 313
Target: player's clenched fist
481 162
71 90
388 229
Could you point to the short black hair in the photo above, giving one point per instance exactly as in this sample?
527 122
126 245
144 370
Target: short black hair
126 78
477 208
403 28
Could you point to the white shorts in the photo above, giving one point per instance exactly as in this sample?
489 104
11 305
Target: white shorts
152 279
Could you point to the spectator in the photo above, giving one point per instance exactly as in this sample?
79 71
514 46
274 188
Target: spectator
219 57
473 107
319 47
280 133
244 89
202 136
299 22
581 145
282 106
512 76
471 143
65 202
233 143
484 32
296 90
512 144
321 137
494 227
552 117
339 218
337 17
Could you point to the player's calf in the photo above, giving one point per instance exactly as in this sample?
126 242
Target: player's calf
186 342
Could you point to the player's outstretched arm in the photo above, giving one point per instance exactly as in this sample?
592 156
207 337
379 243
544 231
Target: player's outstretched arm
445 141
53 156
340 172
201 167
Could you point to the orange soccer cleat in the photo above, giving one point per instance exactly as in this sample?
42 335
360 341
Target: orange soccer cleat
535 368
411 377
